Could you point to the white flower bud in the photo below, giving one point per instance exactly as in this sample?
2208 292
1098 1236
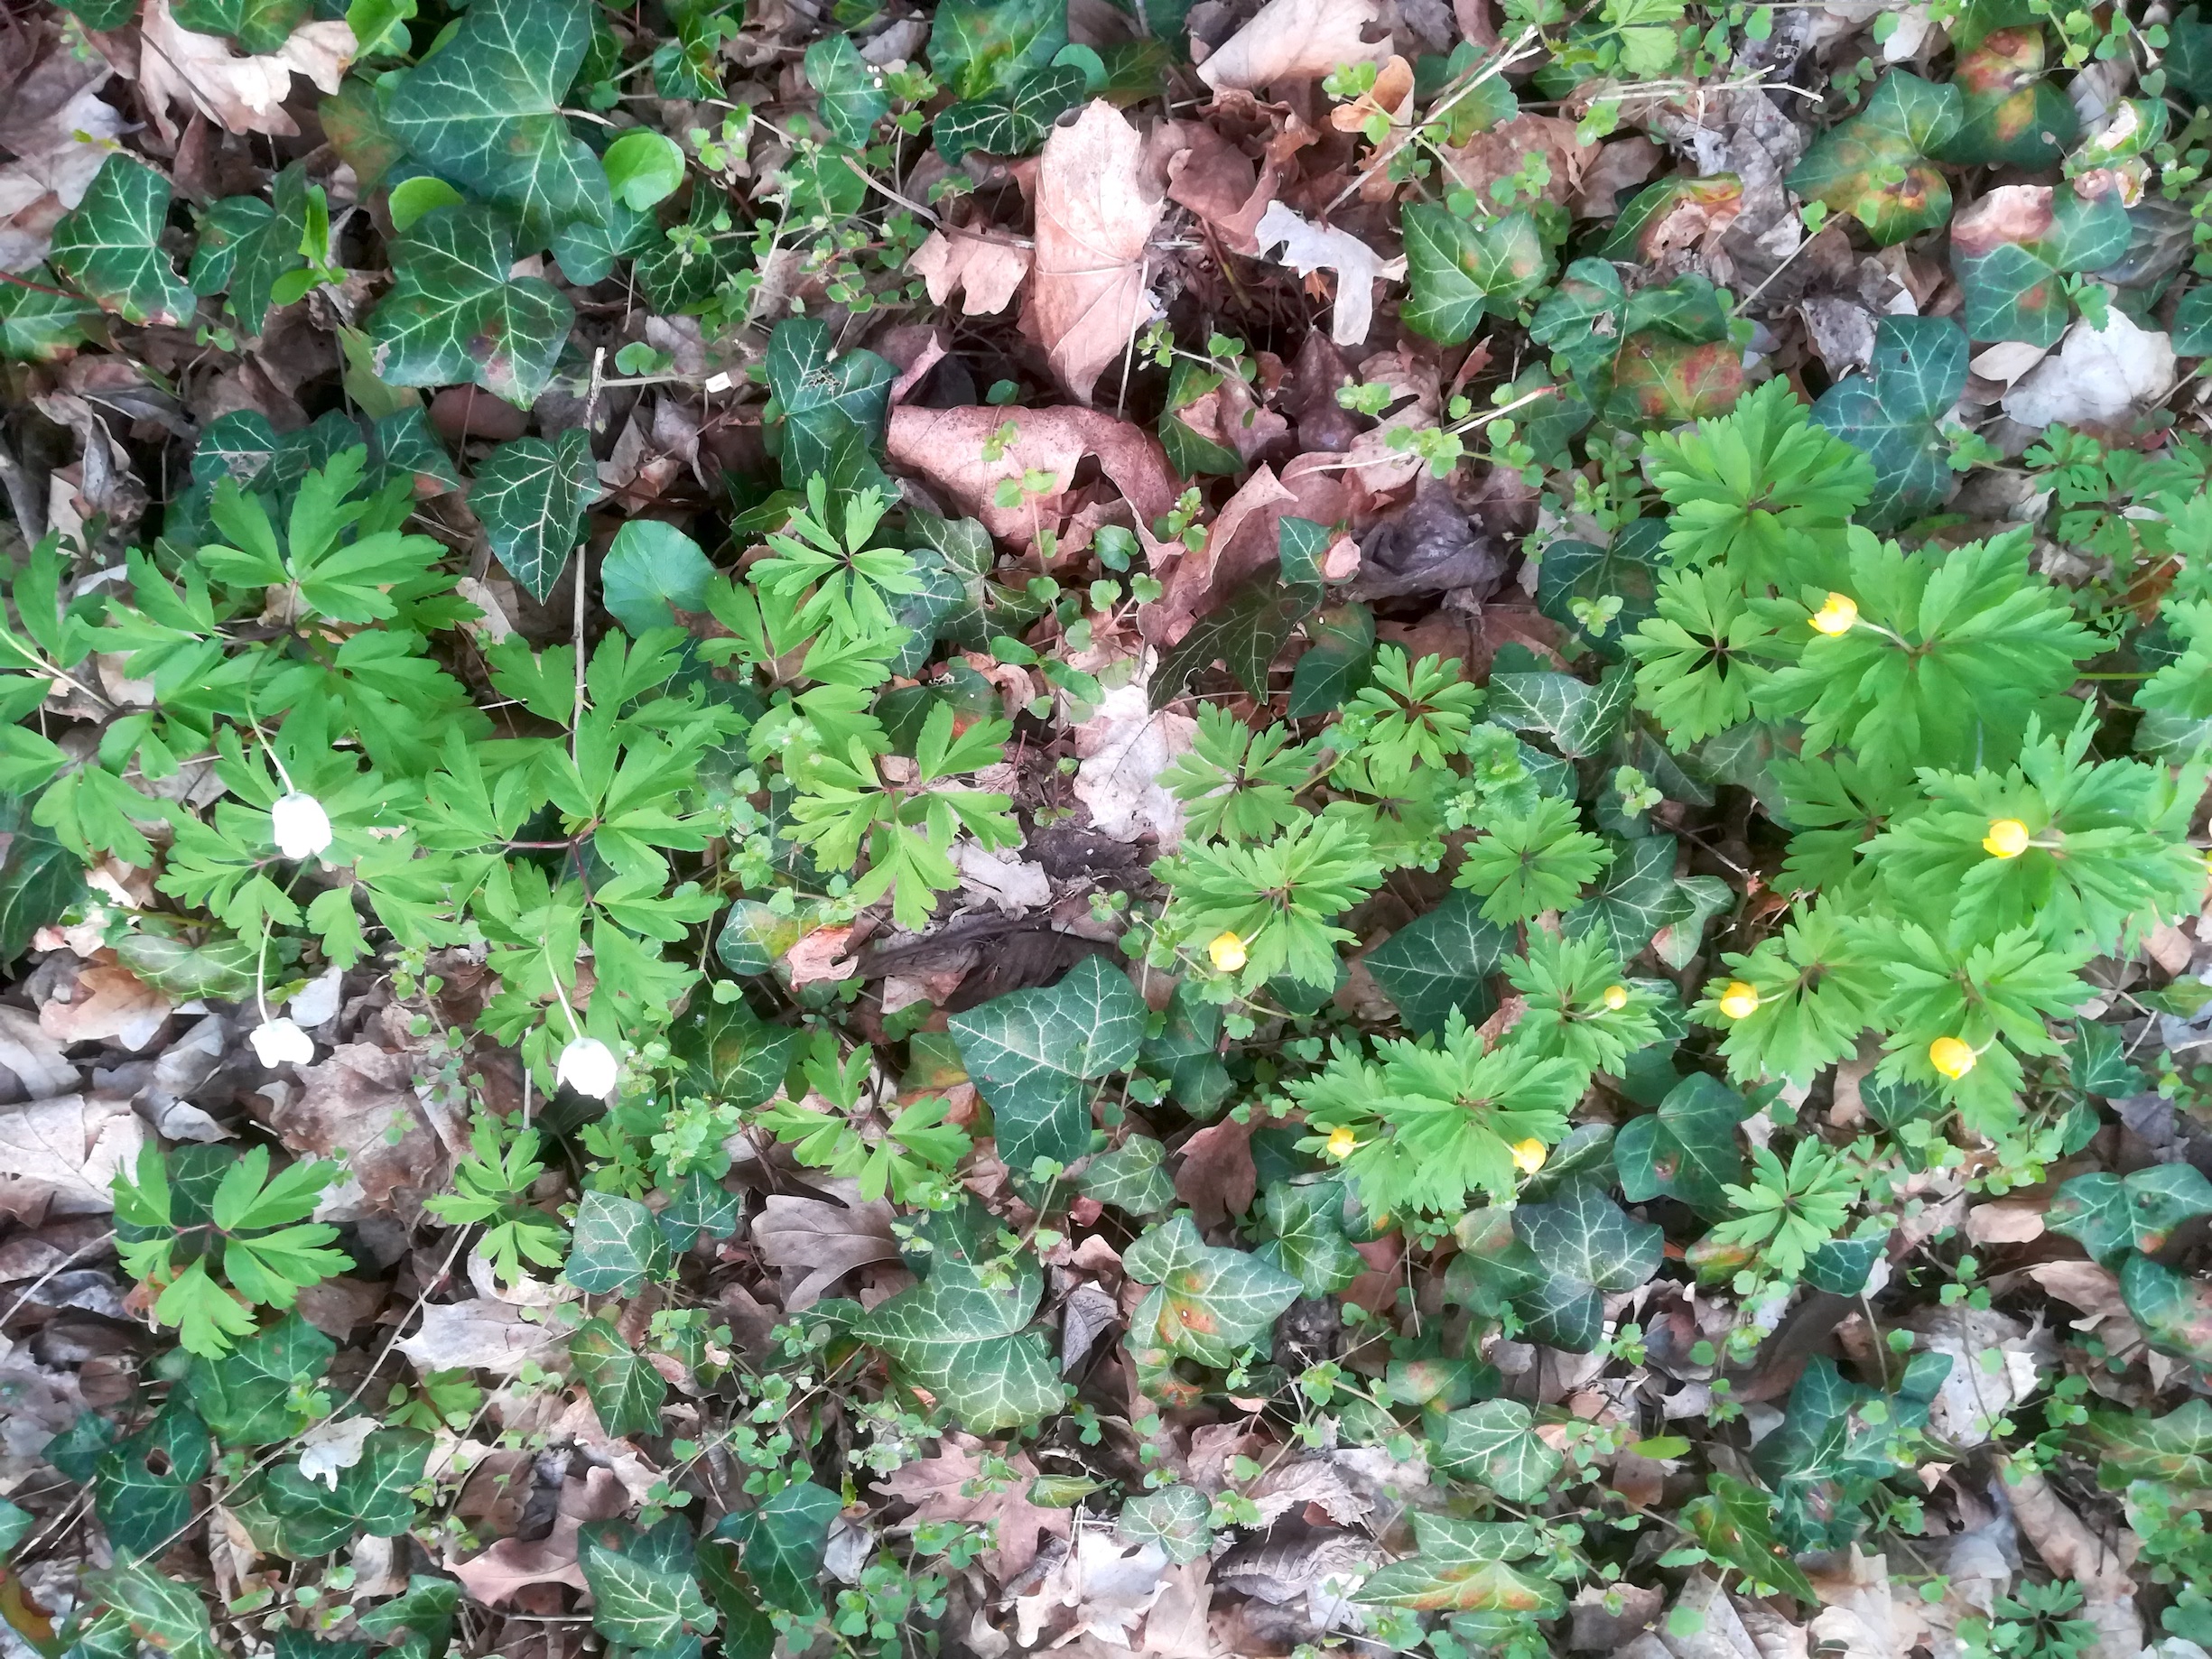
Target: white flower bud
301 828
277 1041
589 1066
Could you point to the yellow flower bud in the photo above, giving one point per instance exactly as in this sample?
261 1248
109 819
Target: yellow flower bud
1838 616
1615 997
1951 1057
1529 1155
2007 838
1228 952
1340 1143
1739 1001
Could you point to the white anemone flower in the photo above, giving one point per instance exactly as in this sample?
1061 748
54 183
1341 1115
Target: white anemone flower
589 1066
301 828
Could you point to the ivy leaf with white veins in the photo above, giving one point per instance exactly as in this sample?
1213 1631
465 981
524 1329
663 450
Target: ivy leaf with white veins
530 494
626 1391
2013 248
484 110
1309 1241
616 1246
1032 1052
1207 1303
1686 1149
1496 1443
258 26
968 1344
1457 271
644 1590
1461 1567
821 392
454 314
109 246
1013 122
852 98
1889 413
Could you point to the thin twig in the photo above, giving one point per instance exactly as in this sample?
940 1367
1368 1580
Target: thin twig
912 206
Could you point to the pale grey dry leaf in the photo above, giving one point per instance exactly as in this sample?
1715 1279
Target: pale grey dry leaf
1109 1584
2095 375
483 1335
1096 204
1287 1570
29 1054
60 1157
178 68
951 1487
814 1243
1308 248
1088 1314
1310 1480
1295 39
1123 747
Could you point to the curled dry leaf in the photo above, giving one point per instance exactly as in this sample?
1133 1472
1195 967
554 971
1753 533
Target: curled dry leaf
482 1335
985 275
511 1565
954 449
181 69
1096 204
1217 1178
109 1003
1295 39
1308 248
1504 151
820 959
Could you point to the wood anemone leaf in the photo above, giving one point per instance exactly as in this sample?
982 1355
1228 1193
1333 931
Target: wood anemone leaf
485 111
456 314
109 246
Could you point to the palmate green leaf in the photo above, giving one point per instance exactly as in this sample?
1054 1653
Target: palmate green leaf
371 1496
1130 1178
2111 1215
1531 862
850 93
258 26
2176 1448
1034 1053
1013 122
1699 657
167 1614
455 313
782 1541
485 111
530 494
1819 986
1496 1443
1207 1304
2013 247
626 1390
979 49
1463 1567
264 1390
643 1591
968 1343
1873 165
1687 1149
2173 1308
1458 271
1308 1241
1889 414
2013 111
108 246
1441 962
616 1246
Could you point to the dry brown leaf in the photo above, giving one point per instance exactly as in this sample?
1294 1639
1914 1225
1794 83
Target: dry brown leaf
815 1243
511 1565
1503 152
359 1106
30 1054
1241 544
1295 39
481 1334
986 275
1109 1584
950 1487
178 68
2071 1551
1217 1178
60 1157
60 130
1096 205
819 958
108 1003
947 447
2013 1220
1307 248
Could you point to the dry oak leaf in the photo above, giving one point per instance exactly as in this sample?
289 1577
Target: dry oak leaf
1096 204
986 275
241 95
815 1243
951 1486
359 1106
954 450
1295 39
1308 248
60 1157
511 1565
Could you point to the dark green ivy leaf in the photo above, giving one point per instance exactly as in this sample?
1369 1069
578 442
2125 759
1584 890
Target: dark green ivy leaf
1890 414
1013 122
1442 962
626 1390
456 313
258 26
109 246
851 94
530 494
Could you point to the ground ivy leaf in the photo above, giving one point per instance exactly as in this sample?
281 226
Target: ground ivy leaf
821 392
371 1496
2096 1064
1734 1520
1442 962
1578 719
2174 1309
530 494
1582 1243
1340 653
644 1593
1496 1443
109 246
485 111
616 1246
1634 899
455 313
166 1614
852 97
626 1391
1457 271
1032 1052
1013 122
1889 413
38 327
39 877
1209 1302
1243 635
969 1345
2013 112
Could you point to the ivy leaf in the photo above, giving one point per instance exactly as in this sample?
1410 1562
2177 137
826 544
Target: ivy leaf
2176 1448
1637 896
1207 1303
852 97
1581 1243
2012 249
40 878
1442 962
729 1053
1458 271
485 111
1032 1052
260 1392
1496 1443
1340 653
109 246
2110 1214
247 246
258 26
2096 1063
1174 1517
1735 1522
1659 381
142 1507
1014 122
1875 166
969 1345
166 1614
626 1390
1243 635
456 313
371 1496
1308 1242
1580 320
530 494
2013 112
1686 1149
1132 1177
644 1593
977 49
38 327
782 1542
822 393
1463 1567
1627 570
1577 719
2174 1309
618 1245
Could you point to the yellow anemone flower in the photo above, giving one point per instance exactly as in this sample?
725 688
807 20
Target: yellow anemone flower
1739 1001
1951 1057
1838 615
2007 838
1342 1142
1615 997
1529 1155
1227 951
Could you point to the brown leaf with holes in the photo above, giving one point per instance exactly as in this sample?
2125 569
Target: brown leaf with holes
1096 204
